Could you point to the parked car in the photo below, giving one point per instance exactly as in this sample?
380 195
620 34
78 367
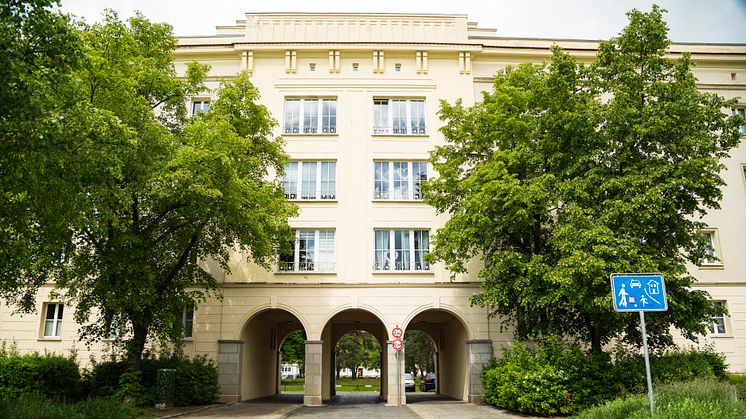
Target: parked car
428 382
408 382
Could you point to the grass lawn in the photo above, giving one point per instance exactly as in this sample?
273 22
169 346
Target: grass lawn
343 384
34 406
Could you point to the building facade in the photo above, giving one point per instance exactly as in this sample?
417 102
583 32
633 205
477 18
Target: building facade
356 97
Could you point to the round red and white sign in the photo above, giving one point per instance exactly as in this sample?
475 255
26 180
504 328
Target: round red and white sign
397 344
397 332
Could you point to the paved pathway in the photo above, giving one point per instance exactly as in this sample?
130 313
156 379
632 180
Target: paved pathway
357 405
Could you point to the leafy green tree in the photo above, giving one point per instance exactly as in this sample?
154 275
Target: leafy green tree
566 173
170 194
41 121
419 352
293 350
357 349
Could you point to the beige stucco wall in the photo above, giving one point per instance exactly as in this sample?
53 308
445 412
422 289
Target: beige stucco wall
393 298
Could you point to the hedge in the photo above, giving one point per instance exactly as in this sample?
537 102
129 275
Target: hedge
50 375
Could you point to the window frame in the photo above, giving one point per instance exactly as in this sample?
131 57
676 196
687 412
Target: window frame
713 259
392 128
117 327
412 265
413 190
187 319
320 192
57 316
203 102
321 262
740 110
325 123
716 321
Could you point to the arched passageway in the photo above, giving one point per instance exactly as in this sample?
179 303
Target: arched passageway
340 324
262 338
450 336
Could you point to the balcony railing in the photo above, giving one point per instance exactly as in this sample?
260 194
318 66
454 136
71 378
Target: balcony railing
400 130
305 267
324 195
401 266
311 130
398 195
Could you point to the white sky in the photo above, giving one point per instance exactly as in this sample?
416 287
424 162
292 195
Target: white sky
711 21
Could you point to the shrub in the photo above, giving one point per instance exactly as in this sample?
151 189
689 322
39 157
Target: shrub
196 379
693 399
49 374
549 381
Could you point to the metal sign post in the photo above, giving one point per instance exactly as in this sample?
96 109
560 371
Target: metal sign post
641 293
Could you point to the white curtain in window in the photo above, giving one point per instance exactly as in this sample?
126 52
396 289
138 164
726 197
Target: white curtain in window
383 249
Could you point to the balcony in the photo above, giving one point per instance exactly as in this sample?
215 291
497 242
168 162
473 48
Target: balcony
401 267
311 130
305 267
400 130
326 195
397 195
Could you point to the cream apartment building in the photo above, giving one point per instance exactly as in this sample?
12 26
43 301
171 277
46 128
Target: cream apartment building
356 97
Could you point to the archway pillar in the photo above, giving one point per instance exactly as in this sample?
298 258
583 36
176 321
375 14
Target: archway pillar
395 376
229 370
480 354
313 373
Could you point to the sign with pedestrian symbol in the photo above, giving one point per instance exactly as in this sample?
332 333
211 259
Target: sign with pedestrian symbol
638 292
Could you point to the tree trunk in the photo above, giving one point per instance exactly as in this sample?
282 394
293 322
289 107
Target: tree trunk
596 340
136 346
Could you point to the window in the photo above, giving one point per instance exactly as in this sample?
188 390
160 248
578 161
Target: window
187 321
53 320
717 323
741 112
310 180
399 116
401 250
312 251
398 180
117 326
310 116
199 106
711 255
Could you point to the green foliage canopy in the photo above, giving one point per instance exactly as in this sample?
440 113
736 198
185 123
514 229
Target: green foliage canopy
567 172
357 349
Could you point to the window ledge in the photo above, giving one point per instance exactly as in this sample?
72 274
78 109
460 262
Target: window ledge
301 134
414 201
421 272
50 339
726 336
313 200
304 273
711 267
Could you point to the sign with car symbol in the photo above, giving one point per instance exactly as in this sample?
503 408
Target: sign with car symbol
638 292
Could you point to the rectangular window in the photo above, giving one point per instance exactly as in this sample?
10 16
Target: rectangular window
53 320
398 180
319 116
717 323
399 116
311 251
401 250
742 112
712 256
310 180
187 321
199 106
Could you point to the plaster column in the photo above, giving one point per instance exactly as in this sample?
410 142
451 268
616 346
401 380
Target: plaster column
229 370
480 354
312 396
395 377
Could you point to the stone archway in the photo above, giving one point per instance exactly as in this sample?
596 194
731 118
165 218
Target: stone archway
459 358
339 324
257 353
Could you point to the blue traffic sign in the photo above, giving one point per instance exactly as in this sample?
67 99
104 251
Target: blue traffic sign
638 292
